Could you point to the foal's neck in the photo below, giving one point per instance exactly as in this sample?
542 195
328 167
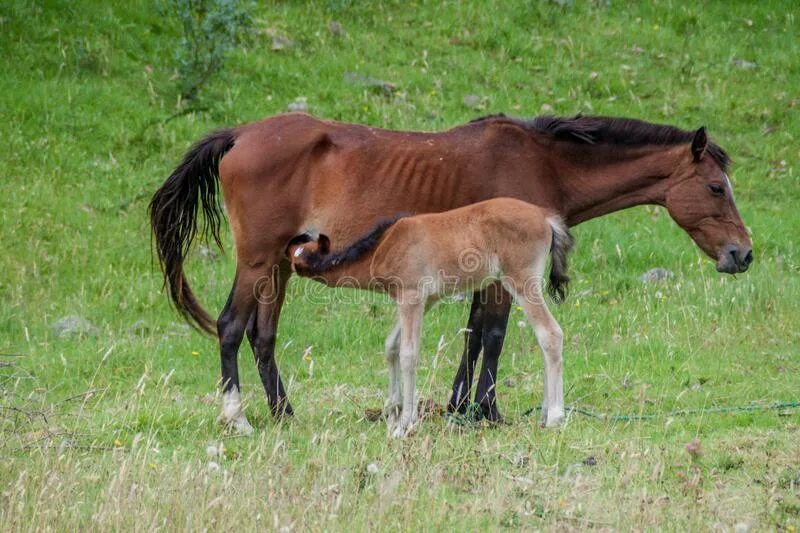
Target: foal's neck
600 179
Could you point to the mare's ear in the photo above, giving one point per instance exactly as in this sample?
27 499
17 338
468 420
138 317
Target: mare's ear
699 144
324 244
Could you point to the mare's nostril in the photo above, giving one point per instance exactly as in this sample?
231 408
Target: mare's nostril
748 258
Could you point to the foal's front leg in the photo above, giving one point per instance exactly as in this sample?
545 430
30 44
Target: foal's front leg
411 312
391 409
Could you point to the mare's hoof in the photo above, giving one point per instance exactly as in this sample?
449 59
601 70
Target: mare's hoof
491 413
238 425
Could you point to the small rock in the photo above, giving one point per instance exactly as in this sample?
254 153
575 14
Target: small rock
472 100
279 42
655 275
207 253
299 105
212 451
383 87
372 468
139 328
743 63
336 29
177 329
590 461
212 466
70 326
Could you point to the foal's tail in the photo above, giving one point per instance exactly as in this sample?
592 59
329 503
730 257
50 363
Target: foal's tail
560 247
173 216
317 263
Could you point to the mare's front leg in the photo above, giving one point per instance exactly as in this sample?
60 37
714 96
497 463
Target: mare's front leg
411 311
262 333
496 308
462 384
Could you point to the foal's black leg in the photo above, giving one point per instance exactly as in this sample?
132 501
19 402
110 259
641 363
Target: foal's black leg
495 319
262 332
462 385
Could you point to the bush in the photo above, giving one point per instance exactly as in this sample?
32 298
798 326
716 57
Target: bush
211 28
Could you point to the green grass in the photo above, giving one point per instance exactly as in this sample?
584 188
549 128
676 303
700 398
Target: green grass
92 126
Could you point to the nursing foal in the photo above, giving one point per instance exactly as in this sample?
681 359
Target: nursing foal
419 259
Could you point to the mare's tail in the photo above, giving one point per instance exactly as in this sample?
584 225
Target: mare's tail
560 247
174 213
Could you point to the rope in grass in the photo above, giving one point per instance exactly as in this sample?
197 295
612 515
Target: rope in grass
474 414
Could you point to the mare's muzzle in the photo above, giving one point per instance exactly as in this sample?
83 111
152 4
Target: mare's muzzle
734 259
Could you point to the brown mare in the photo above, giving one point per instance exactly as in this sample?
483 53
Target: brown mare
291 174
417 260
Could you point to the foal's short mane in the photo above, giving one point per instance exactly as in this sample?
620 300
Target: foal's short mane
611 130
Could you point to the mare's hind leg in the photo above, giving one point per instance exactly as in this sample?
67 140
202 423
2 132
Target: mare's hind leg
230 330
497 306
262 333
462 384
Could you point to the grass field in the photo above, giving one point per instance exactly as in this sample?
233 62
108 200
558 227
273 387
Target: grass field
114 428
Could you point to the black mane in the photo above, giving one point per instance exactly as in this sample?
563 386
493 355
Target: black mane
612 130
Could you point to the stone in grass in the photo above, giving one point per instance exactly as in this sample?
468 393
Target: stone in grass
139 328
655 275
207 253
300 105
383 87
472 100
74 326
336 29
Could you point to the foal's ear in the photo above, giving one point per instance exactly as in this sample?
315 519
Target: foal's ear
324 243
699 144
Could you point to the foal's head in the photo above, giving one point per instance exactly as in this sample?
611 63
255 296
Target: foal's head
302 247
700 200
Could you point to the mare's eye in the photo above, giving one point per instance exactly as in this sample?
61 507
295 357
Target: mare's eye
716 189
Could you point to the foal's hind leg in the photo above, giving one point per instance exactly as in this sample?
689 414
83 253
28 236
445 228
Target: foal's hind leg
262 333
497 306
551 340
230 329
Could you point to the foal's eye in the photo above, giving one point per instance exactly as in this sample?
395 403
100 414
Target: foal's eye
716 189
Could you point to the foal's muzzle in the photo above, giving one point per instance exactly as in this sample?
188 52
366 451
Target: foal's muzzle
734 259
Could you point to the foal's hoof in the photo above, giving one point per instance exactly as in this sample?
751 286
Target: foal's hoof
554 419
402 431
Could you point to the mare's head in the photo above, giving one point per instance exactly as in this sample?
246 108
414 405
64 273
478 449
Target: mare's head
700 199
304 246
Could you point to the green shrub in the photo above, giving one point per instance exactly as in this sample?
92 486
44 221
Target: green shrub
211 28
